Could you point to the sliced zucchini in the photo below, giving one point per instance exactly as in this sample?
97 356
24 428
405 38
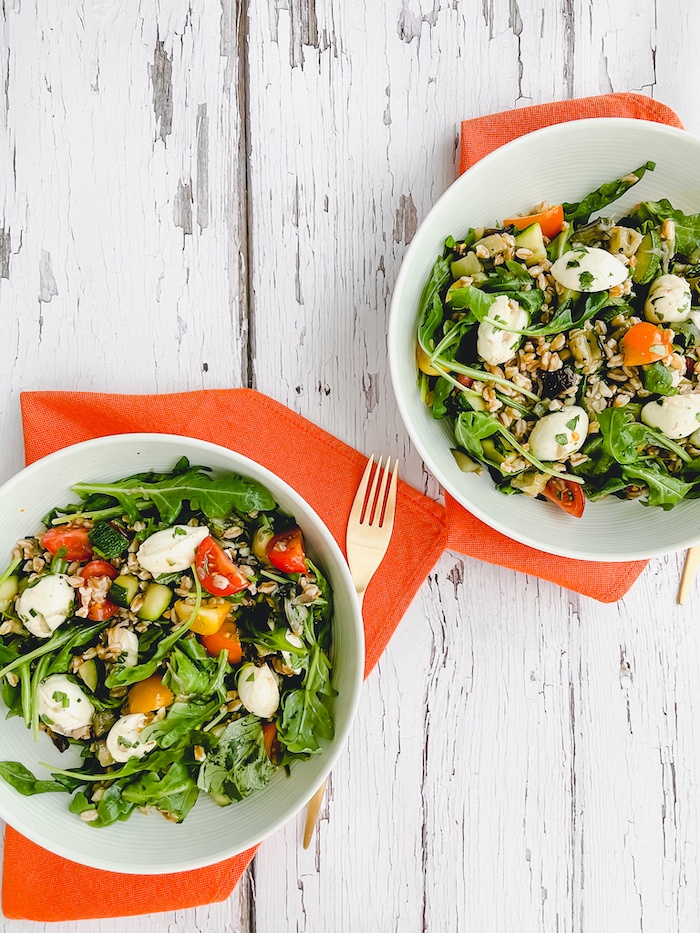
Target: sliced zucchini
8 590
531 238
108 541
156 600
648 258
465 463
123 590
87 672
263 536
467 265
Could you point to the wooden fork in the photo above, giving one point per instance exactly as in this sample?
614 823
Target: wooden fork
367 540
692 562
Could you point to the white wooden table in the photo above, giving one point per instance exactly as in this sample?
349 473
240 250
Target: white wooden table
209 194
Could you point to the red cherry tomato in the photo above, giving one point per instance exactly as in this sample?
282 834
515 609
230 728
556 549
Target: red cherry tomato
99 568
100 612
216 570
567 494
225 639
286 551
74 540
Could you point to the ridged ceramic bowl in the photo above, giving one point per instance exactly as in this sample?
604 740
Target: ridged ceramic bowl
559 163
149 844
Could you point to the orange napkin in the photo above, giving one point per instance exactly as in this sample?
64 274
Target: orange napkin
465 533
38 885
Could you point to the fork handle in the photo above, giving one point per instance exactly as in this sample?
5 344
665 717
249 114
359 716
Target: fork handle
692 562
313 807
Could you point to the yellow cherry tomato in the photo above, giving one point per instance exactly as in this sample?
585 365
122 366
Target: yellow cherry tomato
149 695
210 618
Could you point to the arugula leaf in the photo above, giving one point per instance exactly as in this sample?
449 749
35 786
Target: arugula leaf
192 672
441 391
687 226
578 213
182 718
215 497
430 312
664 490
305 714
23 780
658 379
61 637
175 793
239 765
471 427
687 334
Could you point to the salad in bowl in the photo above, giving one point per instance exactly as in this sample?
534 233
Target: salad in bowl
563 347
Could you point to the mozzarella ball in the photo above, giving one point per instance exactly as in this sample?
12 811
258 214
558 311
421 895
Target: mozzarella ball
46 605
124 738
494 344
63 706
668 300
171 550
588 269
677 416
258 690
559 434
294 661
126 644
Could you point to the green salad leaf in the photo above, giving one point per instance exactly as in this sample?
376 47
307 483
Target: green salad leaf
578 213
239 765
23 780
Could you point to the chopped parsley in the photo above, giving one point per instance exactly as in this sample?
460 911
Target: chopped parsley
60 697
179 531
585 279
561 439
572 424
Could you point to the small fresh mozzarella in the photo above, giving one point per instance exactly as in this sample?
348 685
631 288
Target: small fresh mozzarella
171 550
676 416
494 344
63 706
588 269
292 660
556 436
258 690
124 738
126 643
46 605
668 300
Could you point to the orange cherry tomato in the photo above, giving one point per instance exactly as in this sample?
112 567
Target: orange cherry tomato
74 540
646 343
225 639
216 570
99 568
286 551
149 695
567 494
551 221
272 745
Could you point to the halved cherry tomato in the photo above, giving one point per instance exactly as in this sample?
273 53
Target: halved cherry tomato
225 639
99 568
286 551
100 612
551 221
216 570
149 695
272 745
567 494
646 343
74 540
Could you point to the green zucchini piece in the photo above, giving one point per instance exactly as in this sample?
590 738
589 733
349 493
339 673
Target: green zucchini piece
123 590
87 672
8 590
531 238
648 258
465 463
108 541
156 600
467 265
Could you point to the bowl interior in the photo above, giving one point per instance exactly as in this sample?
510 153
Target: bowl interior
560 163
149 843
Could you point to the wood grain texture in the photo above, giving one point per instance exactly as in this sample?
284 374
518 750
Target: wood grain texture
221 194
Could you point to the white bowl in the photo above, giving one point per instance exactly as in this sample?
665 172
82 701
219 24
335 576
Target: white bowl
559 163
149 844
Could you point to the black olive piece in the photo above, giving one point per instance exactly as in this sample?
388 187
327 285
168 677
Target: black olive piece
554 384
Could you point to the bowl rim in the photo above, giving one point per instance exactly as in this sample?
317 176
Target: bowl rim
15 817
604 556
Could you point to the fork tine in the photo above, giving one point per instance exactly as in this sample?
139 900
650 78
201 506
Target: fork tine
389 511
361 494
376 518
372 498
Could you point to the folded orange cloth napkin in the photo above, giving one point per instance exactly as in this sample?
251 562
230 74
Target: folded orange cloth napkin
38 885
603 581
